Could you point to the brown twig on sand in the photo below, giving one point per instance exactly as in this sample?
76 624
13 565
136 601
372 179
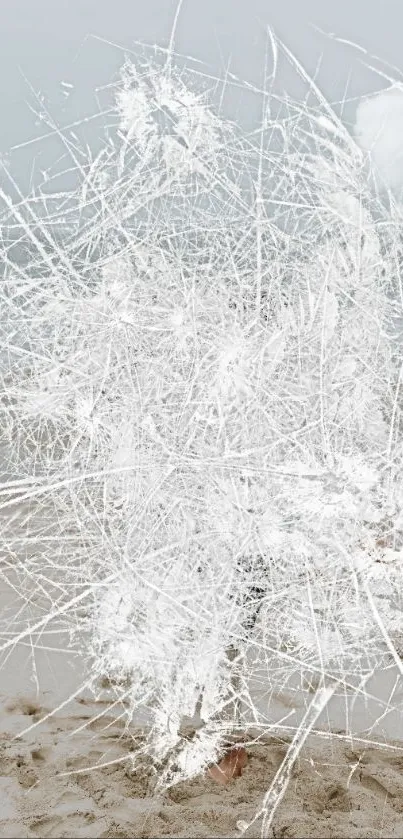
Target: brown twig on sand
230 766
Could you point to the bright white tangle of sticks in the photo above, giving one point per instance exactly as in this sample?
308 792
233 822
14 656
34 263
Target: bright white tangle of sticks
201 398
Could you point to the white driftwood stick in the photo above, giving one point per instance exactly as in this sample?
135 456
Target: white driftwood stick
278 787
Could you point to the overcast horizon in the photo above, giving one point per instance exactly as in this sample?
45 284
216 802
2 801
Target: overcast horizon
57 57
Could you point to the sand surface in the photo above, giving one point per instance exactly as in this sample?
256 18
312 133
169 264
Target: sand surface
340 787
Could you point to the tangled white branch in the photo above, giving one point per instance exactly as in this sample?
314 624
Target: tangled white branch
189 450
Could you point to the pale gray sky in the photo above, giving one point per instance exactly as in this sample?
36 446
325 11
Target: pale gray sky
50 41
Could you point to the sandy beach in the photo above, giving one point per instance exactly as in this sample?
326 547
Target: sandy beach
340 787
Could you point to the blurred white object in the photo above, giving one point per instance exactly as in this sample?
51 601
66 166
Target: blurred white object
379 131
